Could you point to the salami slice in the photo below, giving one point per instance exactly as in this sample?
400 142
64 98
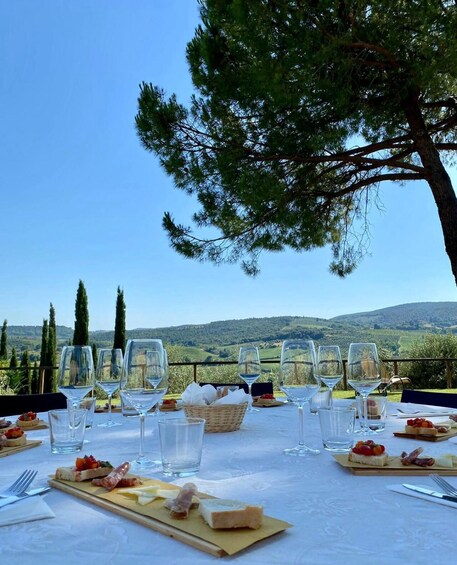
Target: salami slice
111 481
179 507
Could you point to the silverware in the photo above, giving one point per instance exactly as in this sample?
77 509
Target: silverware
20 484
13 499
447 487
430 492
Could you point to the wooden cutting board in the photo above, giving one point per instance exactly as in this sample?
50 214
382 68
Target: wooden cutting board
263 404
438 437
41 425
12 450
395 467
192 531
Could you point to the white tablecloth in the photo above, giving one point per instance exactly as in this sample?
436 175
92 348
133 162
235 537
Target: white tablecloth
337 517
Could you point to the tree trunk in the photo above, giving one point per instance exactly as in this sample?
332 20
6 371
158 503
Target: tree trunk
437 178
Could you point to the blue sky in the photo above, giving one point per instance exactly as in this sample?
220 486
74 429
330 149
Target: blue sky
81 199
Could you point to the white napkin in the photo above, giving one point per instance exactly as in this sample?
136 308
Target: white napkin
193 395
402 490
33 508
410 411
234 397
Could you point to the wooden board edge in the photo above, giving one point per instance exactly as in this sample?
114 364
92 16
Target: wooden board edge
146 521
11 451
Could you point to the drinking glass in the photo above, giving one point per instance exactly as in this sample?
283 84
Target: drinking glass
144 382
76 376
329 366
108 378
76 373
364 374
249 368
299 381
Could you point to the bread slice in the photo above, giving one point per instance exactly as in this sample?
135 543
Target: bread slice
421 431
16 441
71 474
227 514
374 460
27 423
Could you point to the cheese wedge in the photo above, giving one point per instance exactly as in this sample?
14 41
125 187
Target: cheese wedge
227 514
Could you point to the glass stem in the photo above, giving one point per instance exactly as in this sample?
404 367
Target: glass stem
301 437
141 454
109 409
364 410
330 402
74 407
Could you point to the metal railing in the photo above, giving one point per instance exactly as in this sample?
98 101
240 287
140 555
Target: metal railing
395 362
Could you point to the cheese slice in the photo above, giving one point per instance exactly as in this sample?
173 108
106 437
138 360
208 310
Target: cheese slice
224 514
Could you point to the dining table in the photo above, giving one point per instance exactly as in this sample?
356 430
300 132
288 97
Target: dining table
336 516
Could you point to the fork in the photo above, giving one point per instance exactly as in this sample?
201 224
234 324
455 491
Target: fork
20 484
447 487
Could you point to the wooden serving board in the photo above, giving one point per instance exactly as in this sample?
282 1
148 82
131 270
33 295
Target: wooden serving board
12 450
192 531
395 467
263 404
438 437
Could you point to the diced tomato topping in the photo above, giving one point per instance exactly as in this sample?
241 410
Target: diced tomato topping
169 401
419 423
268 396
368 448
27 416
14 433
86 462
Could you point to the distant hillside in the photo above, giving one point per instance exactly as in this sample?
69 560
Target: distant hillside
394 329
418 315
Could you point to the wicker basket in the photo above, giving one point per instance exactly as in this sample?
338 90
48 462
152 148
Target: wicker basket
222 418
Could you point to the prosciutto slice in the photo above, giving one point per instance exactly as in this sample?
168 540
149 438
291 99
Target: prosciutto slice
179 507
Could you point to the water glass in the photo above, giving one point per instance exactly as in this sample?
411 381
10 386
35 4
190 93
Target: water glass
375 417
181 441
66 429
89 404
337 428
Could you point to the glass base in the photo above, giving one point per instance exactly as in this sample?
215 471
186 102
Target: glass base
144 464
109 424
252 409
301 451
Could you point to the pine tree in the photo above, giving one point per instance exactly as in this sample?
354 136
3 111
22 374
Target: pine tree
24 384
81 333
119 326
51 353
4 342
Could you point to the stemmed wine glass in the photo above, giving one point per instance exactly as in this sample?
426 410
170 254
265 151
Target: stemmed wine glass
143 384
249 368
329 366
76 376
108 378
299 381
364 374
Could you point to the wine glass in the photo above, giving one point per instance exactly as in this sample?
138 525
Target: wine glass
108 378
364 374
76 373
76 376
299 381
329 366
143 384
249 368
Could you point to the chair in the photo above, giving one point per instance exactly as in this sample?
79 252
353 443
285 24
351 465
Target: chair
12 404
257 388
449 400
394 380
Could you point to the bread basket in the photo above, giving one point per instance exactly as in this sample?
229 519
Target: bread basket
219 418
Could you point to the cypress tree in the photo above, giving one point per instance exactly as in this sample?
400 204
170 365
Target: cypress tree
13 360
13 374
51 353
81 333
35 383
24 384
94 355
119 325
4 342
43 350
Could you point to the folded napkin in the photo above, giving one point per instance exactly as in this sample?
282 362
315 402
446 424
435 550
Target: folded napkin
414 411
429 414
197 395
33 508
402 490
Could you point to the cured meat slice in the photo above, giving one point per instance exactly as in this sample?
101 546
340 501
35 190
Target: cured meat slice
111 481
179 507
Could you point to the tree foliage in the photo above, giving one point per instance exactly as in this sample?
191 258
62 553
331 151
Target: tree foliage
24 385
4 342
51 353
302 109
81 334
119 325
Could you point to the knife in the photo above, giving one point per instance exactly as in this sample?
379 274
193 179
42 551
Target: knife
430 492
13 499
